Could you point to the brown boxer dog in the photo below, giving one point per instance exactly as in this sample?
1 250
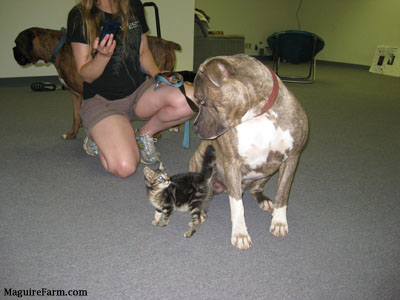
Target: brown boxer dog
36 44
257 127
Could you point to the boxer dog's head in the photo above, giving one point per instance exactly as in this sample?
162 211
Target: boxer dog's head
30 49
23 51
227 88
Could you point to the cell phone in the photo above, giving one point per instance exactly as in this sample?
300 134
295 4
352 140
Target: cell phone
110 27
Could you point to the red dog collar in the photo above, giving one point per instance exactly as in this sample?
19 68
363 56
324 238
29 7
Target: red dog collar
274 94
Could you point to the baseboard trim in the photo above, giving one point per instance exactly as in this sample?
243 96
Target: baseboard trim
270 58
264 57
343 64
23 81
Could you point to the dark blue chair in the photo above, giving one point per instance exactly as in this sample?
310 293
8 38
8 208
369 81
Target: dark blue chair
295 46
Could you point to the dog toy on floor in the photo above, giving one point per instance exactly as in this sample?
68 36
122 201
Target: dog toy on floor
43 86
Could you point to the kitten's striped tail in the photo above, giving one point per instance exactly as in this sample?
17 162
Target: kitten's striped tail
208 167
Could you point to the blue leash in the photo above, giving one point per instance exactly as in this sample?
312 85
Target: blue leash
160 78
186 136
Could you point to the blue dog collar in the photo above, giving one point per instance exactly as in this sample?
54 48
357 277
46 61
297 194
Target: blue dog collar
59 46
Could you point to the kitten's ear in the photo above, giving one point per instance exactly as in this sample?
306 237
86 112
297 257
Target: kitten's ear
161 166
148 173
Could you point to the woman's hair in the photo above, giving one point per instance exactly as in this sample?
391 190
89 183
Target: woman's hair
93 17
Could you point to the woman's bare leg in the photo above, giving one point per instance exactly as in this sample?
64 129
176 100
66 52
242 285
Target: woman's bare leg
115 139
164 108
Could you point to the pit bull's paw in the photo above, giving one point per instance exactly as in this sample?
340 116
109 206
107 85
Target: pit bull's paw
266 205
155 222
279 229
279 226
242 241
240 236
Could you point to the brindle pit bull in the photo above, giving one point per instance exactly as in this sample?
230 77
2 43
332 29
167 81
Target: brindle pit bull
36 44
257 127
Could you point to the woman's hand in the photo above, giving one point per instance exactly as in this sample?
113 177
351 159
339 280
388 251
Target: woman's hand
106 47
90 68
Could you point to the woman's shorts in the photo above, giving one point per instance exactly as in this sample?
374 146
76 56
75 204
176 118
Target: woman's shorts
95 109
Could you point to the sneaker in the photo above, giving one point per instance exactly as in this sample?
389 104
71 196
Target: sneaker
90 146
148 153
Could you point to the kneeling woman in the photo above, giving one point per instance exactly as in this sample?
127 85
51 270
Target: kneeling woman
115 89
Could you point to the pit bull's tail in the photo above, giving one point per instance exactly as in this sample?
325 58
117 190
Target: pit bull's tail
208 167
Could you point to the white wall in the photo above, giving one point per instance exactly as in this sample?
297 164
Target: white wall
18 15
351 29
253 19
176 20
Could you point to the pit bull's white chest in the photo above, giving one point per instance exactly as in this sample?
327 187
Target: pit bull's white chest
259 136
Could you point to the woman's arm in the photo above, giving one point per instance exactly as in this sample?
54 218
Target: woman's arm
146 58
91 68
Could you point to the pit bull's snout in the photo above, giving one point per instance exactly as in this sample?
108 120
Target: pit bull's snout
197 124
195 128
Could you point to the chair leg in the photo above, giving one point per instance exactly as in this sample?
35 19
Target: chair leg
299 79
315 68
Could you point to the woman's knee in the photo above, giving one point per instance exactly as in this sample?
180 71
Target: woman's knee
123 167
179 103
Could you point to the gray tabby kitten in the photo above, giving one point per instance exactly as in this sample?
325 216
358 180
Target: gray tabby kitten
181 192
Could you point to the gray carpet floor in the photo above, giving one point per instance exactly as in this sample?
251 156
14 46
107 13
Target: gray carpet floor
65 224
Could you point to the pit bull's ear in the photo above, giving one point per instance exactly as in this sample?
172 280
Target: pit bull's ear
217 71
